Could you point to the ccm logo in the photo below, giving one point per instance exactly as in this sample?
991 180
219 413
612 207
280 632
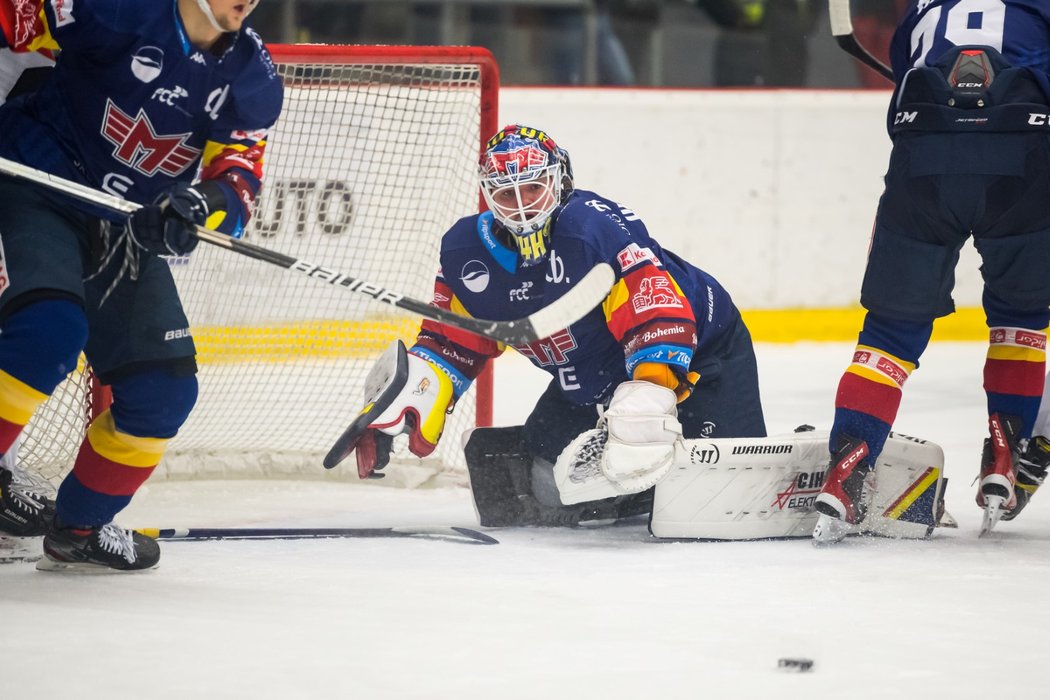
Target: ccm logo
1036 119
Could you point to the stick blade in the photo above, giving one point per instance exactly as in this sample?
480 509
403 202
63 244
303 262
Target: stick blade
449 533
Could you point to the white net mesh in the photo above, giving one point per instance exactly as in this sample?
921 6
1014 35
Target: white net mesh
369 164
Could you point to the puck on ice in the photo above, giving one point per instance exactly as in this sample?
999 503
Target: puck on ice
797 665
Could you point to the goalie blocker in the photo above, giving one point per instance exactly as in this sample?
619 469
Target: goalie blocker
762 488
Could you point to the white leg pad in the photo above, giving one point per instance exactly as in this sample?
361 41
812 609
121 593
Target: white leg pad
758 488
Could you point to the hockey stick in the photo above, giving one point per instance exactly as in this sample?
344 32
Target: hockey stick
448 533
571 307
842 30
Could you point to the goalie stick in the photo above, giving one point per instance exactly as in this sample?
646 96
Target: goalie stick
450 533
569 308
842 30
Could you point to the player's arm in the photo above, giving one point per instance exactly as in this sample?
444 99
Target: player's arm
231 177
231 169
654 321
458 354
222 199
232 163
411 391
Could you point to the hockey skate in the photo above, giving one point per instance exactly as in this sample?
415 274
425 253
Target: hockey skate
848 487
995 492
26 509
1032 464
98 550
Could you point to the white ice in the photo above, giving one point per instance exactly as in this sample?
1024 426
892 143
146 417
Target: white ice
593 613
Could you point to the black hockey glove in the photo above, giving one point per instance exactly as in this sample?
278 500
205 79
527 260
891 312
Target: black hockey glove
167 227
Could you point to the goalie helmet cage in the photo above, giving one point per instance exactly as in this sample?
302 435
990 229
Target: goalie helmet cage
373 158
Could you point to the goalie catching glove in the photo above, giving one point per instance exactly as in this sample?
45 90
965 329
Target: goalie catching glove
631 450
403 394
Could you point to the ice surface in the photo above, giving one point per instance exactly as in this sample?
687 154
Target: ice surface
594 613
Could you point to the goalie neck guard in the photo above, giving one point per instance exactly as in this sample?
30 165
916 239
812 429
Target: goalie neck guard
525 176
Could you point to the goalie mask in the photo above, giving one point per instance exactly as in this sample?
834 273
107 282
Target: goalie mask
525 177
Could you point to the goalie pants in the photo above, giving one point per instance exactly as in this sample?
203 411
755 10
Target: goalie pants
725 403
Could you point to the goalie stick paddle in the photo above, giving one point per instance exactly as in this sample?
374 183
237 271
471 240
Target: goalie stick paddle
586 294
448 533
842 30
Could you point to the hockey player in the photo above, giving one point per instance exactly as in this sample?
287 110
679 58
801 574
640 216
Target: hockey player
142 94
666 354
968 121
24 497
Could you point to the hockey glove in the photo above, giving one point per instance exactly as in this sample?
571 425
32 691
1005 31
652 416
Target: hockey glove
403 394
642 421
630 451
168 226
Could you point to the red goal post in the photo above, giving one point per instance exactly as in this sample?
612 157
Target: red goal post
373 158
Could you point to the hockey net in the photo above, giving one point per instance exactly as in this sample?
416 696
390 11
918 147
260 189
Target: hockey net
373 158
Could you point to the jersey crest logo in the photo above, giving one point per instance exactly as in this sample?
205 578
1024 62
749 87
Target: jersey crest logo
655 292
27 24
139 146
550 351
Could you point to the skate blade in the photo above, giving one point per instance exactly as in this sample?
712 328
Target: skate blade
993 511
66 567
829 530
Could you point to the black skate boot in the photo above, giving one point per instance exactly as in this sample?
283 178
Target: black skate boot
25 511
97 550
848 487
1031 472
995 492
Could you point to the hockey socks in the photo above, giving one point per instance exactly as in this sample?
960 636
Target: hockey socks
109 469
1014 372
868 397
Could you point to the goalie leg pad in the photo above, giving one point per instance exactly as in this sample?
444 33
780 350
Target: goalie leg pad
501 473
762 488
498 465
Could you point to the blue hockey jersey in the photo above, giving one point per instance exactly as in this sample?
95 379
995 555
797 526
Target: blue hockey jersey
661 309
132 106
1018 29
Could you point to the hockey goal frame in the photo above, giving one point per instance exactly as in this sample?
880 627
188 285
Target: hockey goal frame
99 396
